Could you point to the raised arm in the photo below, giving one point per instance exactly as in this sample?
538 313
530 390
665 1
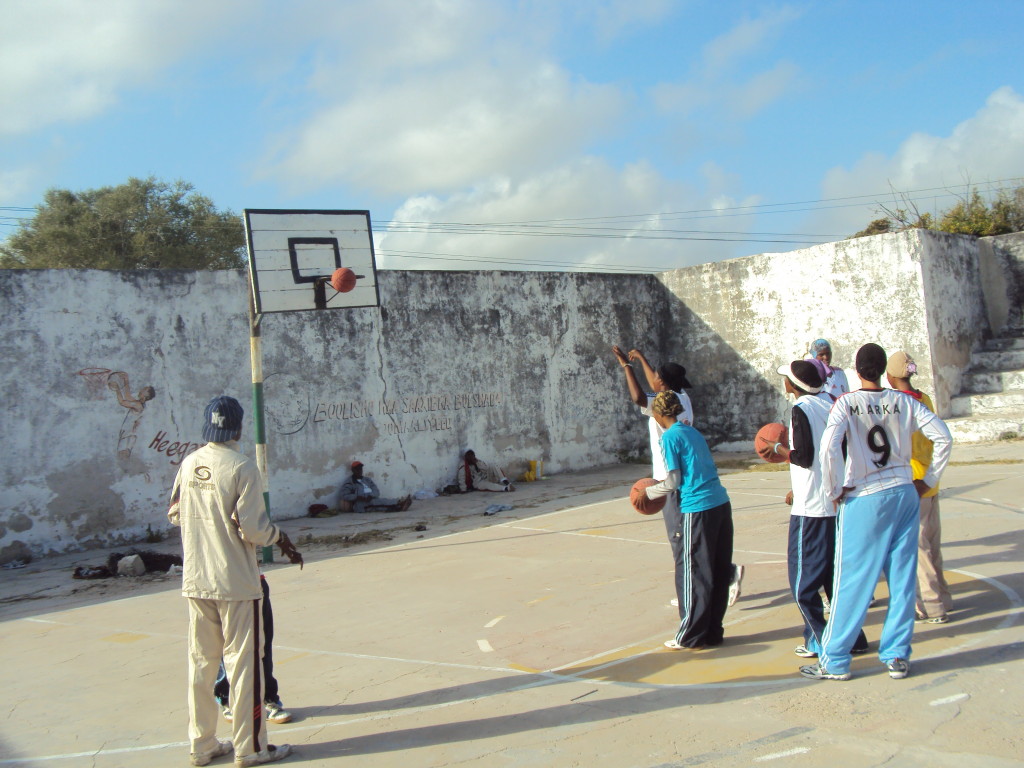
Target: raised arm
649 373
636 394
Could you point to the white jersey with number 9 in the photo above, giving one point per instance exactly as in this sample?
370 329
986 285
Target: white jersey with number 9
877 425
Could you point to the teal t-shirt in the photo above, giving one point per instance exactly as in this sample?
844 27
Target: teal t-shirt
686 449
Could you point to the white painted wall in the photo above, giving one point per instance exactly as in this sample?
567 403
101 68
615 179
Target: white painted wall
515 365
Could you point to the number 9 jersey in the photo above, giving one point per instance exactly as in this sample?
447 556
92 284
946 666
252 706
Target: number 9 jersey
877 425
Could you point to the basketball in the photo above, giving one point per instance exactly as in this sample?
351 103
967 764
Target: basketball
343 280
642 504
766 438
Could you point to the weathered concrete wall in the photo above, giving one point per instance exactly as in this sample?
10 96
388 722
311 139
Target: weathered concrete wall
516 365
734 322
1001 260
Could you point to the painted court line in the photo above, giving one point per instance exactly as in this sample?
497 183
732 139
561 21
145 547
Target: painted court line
949 700
787 753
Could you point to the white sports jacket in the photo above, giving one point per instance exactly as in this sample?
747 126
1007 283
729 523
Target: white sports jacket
218 502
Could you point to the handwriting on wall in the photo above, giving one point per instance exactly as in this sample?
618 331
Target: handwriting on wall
175 450
405 406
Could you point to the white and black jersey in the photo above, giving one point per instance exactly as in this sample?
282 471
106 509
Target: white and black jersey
806 427
877 425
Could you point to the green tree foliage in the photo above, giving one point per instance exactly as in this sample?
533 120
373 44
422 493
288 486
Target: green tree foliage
973 216
142 224
970 216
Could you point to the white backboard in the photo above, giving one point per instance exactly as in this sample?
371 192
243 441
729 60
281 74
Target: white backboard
289 250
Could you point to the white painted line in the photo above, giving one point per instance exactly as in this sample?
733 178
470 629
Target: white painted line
492 622
602 537
422 662
485 646
787 753
949 699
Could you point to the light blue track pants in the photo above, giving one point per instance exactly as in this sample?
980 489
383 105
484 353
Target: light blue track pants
877 534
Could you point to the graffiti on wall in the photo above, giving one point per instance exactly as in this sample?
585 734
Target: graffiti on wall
293 410
134 403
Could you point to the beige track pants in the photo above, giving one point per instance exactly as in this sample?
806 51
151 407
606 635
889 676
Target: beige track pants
231 630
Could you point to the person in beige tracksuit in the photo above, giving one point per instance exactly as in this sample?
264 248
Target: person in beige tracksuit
217 501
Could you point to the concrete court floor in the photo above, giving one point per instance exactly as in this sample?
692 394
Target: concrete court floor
534 638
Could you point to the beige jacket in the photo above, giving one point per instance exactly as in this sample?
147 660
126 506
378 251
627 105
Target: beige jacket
218 502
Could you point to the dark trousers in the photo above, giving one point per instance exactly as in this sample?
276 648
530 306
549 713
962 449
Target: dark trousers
703 554
811 557
270 694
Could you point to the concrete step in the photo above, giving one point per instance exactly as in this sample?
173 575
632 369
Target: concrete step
997 360
1003 343
970 429
990 404
988 383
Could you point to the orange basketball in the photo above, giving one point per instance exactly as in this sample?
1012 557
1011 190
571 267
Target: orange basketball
343 280
766 438
642 504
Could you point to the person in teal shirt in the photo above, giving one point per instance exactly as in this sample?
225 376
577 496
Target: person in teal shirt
702 548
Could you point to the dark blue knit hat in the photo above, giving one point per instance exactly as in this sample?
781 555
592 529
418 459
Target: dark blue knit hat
222 419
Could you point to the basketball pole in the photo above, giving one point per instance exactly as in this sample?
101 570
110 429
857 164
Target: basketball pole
256 361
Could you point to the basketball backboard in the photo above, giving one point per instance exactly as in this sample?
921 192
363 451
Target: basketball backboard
290 249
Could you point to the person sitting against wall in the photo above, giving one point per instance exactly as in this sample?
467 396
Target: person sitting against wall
360 494
476 475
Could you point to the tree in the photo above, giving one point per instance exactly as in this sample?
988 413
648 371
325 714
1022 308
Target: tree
142 224
970 216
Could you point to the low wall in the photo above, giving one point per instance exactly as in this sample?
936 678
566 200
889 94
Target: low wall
108 372
734 322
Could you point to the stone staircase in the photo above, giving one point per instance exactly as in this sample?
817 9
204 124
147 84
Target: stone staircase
990 405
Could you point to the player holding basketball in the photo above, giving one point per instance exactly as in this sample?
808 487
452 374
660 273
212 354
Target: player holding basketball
702 548
878 516
670 377
812 524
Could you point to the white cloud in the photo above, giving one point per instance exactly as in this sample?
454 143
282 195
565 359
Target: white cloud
641 228
449 130
616 18
720 85
746 39
986 147
65 60
763 89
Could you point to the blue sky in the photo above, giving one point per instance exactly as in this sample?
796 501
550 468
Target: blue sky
637 135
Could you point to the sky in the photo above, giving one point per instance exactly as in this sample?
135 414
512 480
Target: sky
600 135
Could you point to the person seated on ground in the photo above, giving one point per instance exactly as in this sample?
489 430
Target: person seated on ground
360 494
476 475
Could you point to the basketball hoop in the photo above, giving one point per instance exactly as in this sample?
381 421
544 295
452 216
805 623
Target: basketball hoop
95 381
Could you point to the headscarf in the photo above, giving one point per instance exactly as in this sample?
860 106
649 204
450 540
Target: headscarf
816 346
823 370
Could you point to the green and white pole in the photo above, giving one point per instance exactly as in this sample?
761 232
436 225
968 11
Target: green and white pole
256 358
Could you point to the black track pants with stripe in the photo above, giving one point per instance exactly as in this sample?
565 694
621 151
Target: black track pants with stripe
703 556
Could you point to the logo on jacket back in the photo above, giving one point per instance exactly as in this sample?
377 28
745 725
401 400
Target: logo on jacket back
202 475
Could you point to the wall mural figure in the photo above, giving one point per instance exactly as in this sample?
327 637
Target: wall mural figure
136 405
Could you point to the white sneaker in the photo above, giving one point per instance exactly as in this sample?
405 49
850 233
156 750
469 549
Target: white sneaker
270 755
225 712
204 758
278 714
735 584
